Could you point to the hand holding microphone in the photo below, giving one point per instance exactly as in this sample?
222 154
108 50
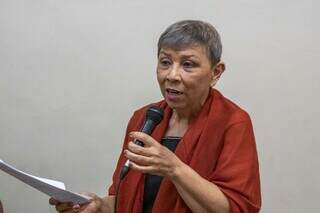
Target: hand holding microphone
154 115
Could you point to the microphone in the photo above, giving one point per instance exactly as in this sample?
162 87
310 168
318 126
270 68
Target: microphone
154 115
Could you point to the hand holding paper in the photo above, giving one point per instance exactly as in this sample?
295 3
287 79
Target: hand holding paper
97 205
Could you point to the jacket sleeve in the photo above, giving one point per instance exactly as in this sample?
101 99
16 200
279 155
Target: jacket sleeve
237 169
121 160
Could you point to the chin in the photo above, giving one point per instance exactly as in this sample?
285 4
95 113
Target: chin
174 105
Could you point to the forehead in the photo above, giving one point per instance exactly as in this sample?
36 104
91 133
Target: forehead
196 50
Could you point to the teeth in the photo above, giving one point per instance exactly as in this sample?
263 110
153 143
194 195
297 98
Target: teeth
173 91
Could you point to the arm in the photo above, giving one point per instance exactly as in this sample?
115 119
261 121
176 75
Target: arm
110 201
236 173
199 194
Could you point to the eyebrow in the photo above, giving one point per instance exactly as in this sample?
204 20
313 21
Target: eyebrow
190 56
162 52
183 56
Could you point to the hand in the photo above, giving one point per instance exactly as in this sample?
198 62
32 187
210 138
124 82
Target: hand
153 158
97 205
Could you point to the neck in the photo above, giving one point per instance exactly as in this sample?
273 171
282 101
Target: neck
185 116
180 121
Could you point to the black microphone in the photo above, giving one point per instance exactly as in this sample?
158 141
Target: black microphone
154 115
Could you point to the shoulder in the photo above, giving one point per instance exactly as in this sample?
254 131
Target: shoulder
228 109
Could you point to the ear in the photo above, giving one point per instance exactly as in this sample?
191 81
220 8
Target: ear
217 71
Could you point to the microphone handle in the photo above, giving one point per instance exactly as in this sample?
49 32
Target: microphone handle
147 128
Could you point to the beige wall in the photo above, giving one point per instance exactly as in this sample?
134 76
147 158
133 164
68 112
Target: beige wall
72 72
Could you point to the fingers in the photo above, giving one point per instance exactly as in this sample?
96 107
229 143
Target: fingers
145 169
140 159
68 207
53 201
60 207
94 205
153 158
76 208
63 207
139 149
146 139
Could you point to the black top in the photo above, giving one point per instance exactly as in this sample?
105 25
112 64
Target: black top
152 182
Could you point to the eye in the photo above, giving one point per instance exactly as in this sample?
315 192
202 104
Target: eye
164 62
189 64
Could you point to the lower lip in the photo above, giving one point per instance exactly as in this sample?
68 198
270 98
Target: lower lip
173 96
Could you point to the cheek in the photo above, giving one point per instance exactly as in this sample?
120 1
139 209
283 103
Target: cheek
196 85
161 84
161 79
196 81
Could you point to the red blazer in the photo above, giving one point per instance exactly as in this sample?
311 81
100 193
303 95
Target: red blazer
219 145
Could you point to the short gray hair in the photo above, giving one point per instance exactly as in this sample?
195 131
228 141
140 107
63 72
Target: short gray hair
188 33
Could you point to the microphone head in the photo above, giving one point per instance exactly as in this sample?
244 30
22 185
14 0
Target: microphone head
155 114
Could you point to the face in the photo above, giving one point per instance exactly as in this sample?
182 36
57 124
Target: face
184 77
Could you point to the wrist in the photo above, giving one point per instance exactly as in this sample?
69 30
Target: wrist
103 205
108 204
178 170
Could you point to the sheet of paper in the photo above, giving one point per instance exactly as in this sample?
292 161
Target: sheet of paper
53 188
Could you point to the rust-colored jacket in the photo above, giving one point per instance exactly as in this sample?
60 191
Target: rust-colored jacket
219 145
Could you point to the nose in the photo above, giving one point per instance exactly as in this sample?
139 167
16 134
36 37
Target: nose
174 73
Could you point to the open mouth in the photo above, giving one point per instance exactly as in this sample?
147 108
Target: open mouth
173 91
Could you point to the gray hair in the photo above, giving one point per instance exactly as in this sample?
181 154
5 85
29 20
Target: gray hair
188 33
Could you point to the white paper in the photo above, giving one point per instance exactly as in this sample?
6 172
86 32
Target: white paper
55 183
53 188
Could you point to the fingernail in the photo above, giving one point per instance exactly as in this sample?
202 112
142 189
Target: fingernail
76 208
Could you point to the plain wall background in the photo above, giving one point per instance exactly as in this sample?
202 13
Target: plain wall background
72 72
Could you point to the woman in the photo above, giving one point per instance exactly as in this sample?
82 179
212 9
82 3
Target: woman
202 157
